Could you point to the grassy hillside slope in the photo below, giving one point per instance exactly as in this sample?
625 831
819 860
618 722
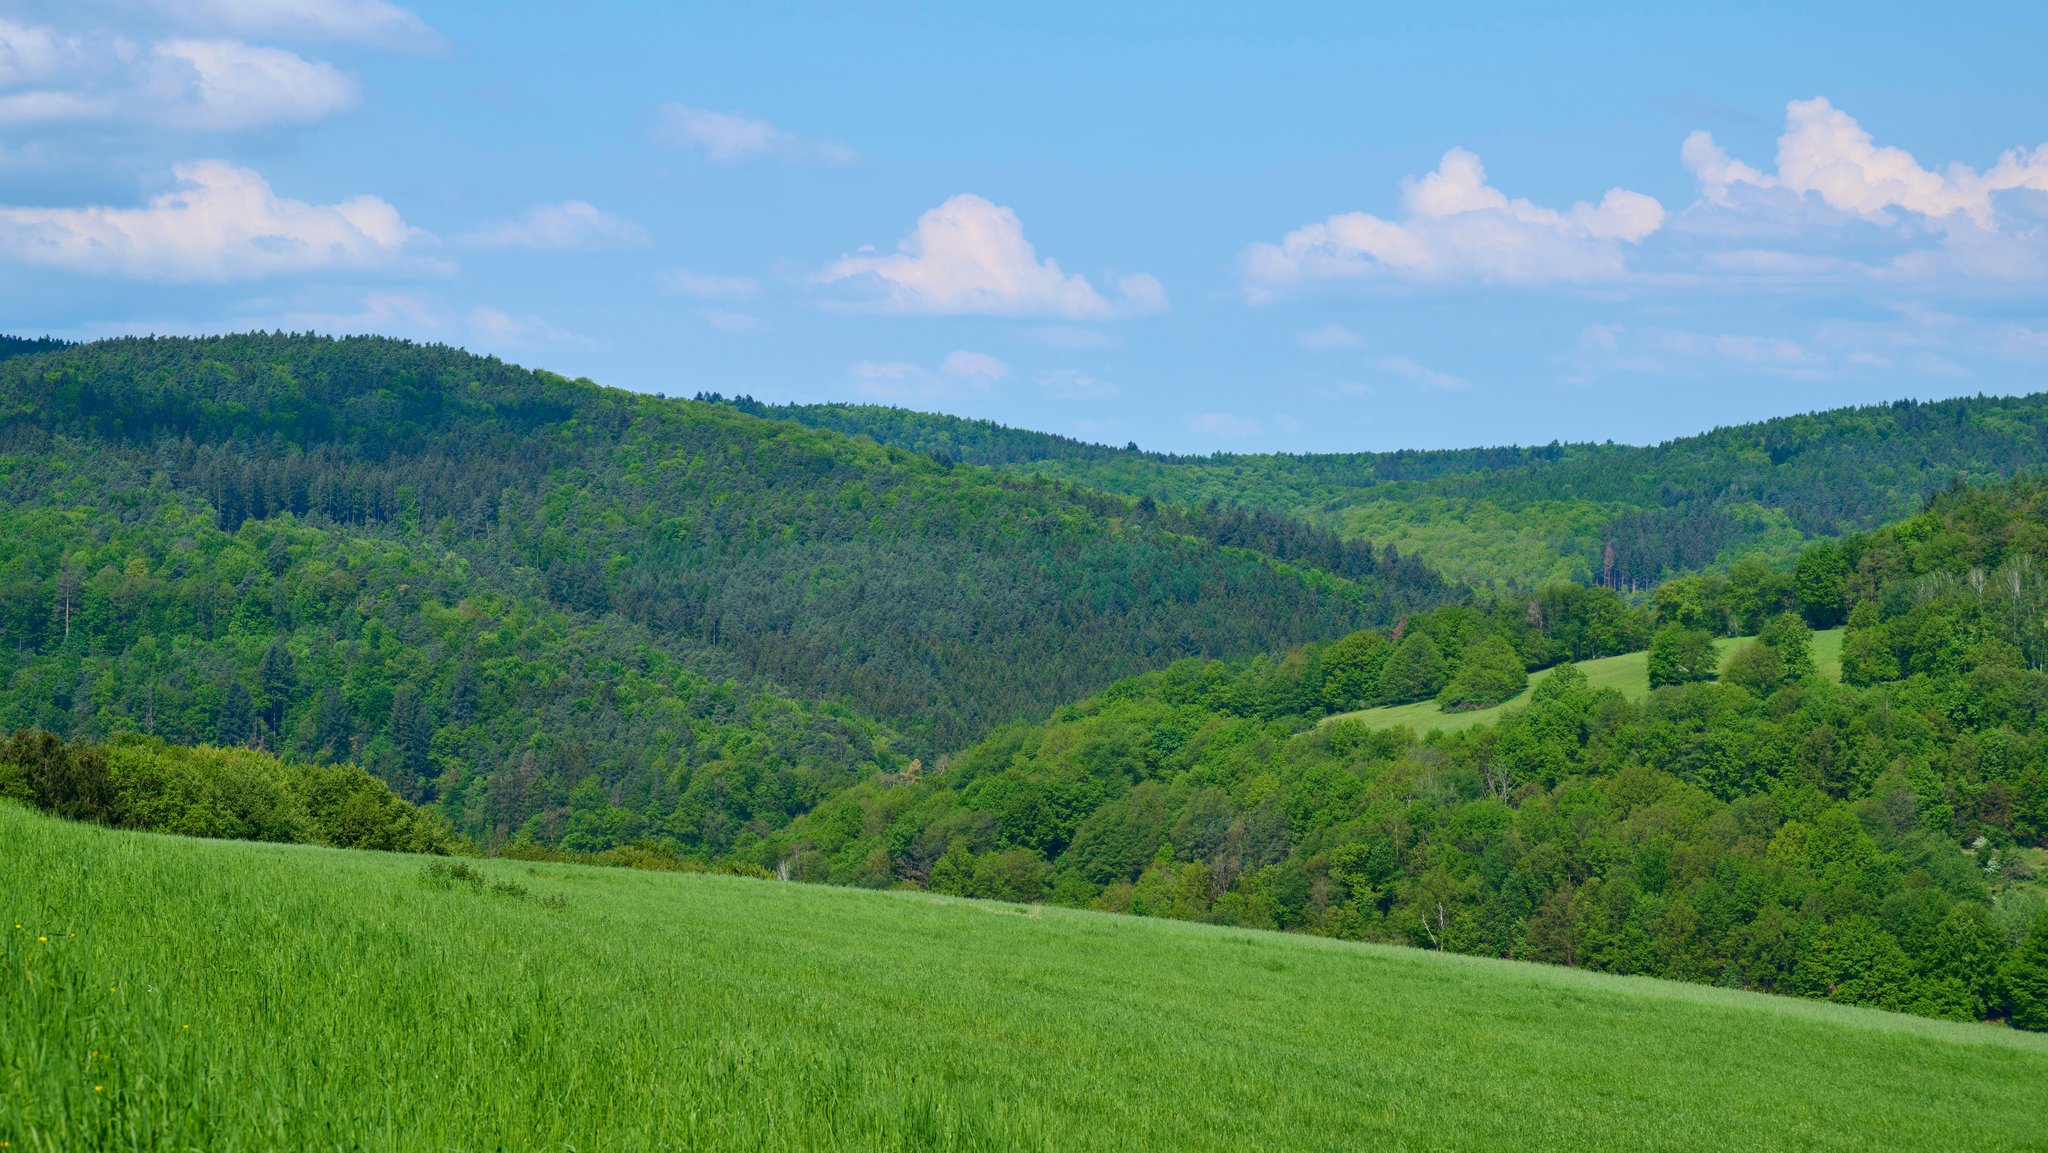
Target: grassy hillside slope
1628 674
162 993
1523 515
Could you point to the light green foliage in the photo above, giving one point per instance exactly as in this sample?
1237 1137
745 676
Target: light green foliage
214 995
1489 672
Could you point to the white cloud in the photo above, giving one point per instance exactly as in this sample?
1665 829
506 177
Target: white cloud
188 84
737 138
1905 221
571 226
1458 228
1330 336
968 257
222 223
225 85
496 329
373 22
704 286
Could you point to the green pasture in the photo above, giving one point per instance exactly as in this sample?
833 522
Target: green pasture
1629 673
162 993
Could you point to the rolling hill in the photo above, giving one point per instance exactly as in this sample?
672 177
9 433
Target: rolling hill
219 995
573 613
1525 515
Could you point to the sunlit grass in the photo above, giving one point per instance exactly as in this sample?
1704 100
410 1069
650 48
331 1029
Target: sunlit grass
193 995
1628 673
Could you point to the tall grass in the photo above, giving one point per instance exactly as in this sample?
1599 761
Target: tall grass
163 993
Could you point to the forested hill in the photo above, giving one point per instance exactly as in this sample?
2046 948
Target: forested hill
1621 515
1878 841
460 570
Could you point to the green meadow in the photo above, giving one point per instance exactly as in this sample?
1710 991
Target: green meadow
1628 673
164 993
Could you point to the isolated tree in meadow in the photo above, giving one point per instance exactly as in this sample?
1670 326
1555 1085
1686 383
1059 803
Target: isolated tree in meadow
1489 673
1793 641
1681 656
1414 673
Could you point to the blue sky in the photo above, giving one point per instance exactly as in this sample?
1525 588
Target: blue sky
1242 227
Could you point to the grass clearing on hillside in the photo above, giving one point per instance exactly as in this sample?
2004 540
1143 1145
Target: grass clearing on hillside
1629 673
163 993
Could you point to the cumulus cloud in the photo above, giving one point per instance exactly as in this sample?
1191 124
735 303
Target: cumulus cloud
571 226
968 257
372 22
736 138
222 223
1833 178
705 286
1458 228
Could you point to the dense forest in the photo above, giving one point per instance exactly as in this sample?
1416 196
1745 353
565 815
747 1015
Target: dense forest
1626 517
1873 842
540 604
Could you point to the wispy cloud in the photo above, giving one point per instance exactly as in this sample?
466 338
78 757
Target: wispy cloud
733 138
571 226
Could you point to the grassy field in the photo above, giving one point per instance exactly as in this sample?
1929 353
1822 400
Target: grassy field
162 993
1629 673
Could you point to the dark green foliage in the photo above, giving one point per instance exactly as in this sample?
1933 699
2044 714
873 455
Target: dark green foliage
1489 672
142 783
68 780
1622 516
581 614
1682 656
2025 979
1415 671
1820 583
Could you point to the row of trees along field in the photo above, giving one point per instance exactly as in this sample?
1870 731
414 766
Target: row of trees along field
1873 842
572 614
1624 516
